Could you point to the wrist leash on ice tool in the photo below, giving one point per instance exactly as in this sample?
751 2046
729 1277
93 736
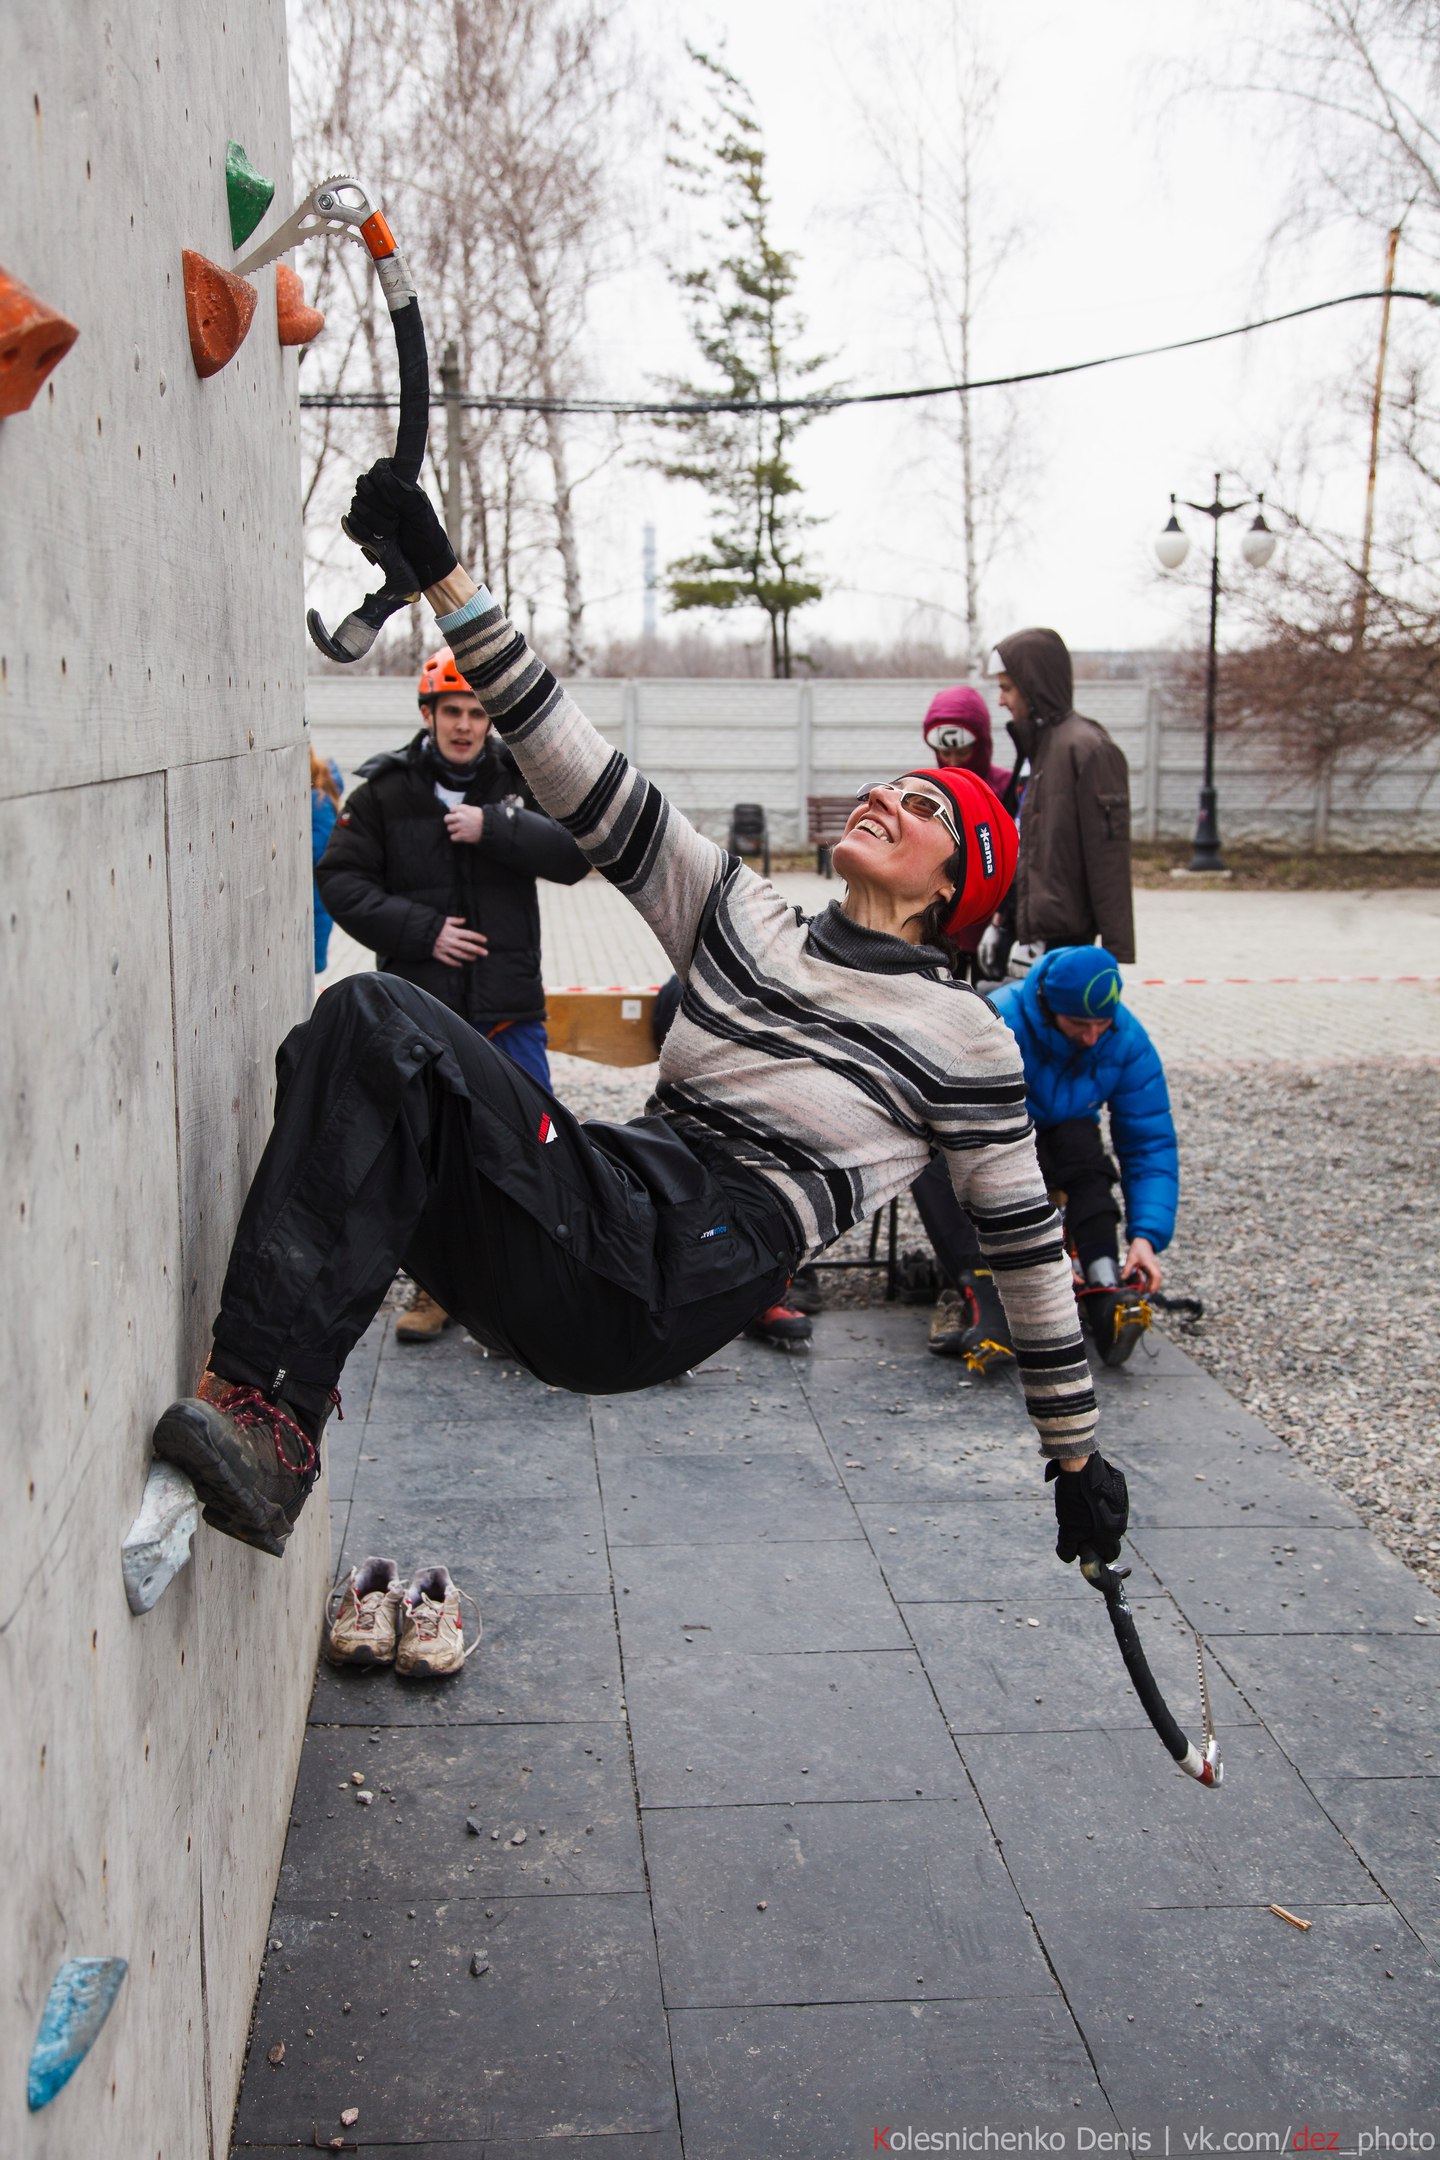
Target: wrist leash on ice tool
1203 1764
340 208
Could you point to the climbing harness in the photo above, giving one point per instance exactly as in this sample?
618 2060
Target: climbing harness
339 208
1201 1763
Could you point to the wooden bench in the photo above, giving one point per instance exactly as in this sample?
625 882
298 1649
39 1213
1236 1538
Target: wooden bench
825 821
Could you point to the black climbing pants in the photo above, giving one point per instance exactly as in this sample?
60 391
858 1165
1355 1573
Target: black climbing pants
603 1257
1073 1161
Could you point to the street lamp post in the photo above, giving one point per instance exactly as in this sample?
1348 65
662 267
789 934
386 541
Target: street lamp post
1172 547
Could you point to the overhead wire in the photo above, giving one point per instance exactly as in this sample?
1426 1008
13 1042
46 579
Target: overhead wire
837 401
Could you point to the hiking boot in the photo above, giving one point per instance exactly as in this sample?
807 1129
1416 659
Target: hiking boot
423 1321
249 1460
362 1616
952 1321
803 1293
432 1627
782 1325
987 1345
1116 1319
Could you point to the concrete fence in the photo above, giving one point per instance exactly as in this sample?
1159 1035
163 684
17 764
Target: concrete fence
711 743
154 871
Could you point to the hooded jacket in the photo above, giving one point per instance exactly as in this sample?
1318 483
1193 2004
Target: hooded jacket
1065 1080
1072 883
963 709
391 874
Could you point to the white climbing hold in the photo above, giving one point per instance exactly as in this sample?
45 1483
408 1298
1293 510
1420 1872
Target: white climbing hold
157 1544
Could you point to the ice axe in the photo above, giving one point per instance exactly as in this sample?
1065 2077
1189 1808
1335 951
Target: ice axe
1202 1763
340 208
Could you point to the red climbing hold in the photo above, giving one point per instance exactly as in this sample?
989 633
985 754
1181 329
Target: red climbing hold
218 307
297 323
33 340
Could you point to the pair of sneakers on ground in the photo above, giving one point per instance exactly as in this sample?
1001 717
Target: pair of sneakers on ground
969 1321
370 1620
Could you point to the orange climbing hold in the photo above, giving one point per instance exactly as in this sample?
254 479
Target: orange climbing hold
33 340
219 308
297 322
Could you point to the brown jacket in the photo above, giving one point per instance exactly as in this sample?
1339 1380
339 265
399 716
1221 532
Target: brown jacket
1073 879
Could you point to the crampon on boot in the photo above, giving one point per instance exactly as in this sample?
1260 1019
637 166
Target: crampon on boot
987 1345
250 1460
1117 1315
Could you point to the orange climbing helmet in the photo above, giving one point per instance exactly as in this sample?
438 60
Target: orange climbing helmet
440 677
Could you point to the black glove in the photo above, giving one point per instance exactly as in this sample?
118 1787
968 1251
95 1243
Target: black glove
394 515
1092 1508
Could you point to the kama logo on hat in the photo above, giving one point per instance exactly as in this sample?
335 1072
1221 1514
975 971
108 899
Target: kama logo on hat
1101 990
986 839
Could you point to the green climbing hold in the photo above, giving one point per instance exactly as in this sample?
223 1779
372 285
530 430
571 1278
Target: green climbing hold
249 194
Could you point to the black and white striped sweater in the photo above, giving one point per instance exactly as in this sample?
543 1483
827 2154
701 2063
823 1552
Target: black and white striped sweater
827 1057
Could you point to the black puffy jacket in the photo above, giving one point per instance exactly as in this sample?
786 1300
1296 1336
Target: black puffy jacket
391 874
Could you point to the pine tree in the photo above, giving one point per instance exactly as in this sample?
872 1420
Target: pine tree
746 329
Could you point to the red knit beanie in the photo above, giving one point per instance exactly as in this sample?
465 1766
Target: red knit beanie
990 844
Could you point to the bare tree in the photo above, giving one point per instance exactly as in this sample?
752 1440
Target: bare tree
488 128
1343 658
928 98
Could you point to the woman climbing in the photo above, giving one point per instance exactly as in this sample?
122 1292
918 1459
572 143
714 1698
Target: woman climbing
811 1068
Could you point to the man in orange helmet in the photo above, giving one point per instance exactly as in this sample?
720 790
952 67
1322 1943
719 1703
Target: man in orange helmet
432 864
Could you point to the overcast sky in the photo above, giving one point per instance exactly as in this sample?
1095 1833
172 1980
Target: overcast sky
1148 215
1147 209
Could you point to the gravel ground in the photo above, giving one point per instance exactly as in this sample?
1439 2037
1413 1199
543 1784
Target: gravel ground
1305 1225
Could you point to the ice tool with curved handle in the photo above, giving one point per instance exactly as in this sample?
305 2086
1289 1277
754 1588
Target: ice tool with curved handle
339 208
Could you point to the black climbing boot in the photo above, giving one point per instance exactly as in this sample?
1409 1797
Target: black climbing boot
987 1345
1116 1318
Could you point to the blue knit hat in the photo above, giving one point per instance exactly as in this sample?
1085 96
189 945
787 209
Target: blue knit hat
1082 982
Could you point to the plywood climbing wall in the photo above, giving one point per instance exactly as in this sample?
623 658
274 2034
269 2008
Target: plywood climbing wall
154 923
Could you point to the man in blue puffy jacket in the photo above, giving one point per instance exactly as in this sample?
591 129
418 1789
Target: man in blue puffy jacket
1082 1052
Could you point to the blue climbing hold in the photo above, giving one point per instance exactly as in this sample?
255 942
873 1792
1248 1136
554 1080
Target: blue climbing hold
81 1997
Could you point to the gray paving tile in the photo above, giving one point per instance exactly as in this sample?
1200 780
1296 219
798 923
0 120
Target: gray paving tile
1220 1479
761 1596
564 2036
1394 1825
1247 1580
812 2083
434 1463
959 1551
1156 1837
519 1547
540 1658
707 1500
995 1672
860 1334
454 1379
882 1902
1158 1356
1235 2011
922 1462
702 1417
713 1405
907 1382
838 1726
654 2145
567 1786
1344 1706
